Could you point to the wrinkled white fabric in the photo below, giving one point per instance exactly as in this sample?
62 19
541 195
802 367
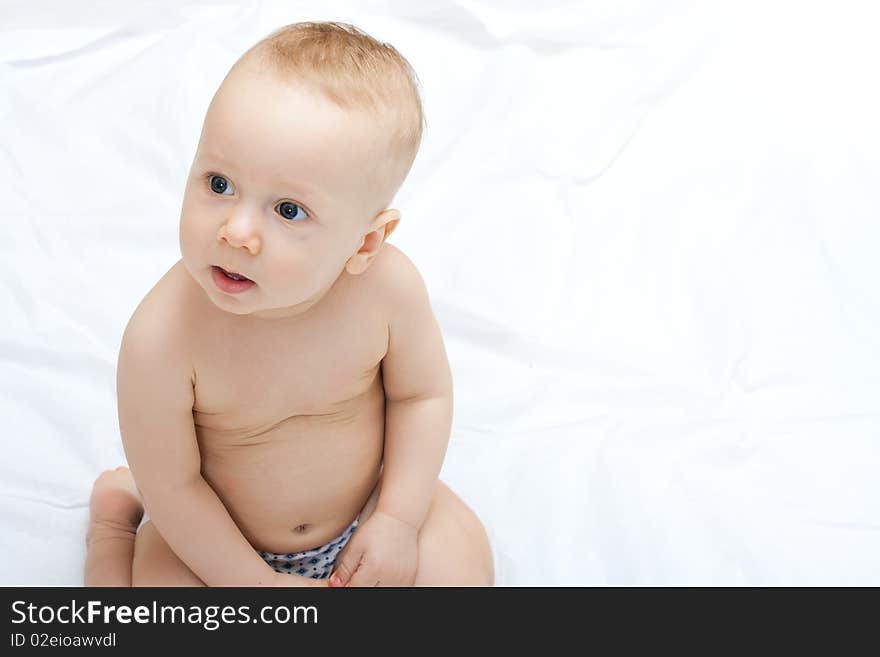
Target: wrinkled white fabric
649 231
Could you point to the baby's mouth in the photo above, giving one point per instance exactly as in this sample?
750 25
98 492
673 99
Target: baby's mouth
232 275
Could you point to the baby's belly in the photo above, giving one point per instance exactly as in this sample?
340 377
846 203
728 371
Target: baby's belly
300 484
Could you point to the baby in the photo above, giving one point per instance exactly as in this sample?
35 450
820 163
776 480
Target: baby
285 400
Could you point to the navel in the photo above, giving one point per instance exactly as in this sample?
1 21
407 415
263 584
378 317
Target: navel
300 529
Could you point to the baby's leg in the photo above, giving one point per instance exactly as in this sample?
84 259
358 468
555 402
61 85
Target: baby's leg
155 563
454 548
116 509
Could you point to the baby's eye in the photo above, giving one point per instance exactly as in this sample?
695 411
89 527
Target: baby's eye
220 185
290 210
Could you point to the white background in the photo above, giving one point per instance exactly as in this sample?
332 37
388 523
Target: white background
649 231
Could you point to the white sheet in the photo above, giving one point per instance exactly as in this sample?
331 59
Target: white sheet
650 234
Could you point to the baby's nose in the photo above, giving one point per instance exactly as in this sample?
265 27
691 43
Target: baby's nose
240 235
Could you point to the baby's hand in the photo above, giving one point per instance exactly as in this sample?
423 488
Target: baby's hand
383 552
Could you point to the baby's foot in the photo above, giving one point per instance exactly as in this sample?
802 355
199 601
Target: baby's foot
115 504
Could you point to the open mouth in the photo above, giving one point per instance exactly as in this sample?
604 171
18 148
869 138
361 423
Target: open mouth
229 281
233 275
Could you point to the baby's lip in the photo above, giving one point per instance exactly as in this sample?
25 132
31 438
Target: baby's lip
234 273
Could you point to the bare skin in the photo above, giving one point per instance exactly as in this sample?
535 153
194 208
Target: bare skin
263 419
446 541
115 510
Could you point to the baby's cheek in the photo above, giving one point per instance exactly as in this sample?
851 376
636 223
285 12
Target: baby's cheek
188 228
303 268
291 281
186 238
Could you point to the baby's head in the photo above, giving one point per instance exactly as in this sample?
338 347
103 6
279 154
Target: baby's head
304 146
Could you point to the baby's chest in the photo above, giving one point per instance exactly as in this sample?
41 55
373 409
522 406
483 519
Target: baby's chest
255 381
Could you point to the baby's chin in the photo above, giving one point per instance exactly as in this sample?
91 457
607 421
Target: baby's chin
288 309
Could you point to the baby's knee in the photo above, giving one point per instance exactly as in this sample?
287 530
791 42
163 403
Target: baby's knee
155 564
455 561
454 548
481 564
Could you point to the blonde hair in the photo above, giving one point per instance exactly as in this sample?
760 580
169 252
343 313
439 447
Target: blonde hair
357 73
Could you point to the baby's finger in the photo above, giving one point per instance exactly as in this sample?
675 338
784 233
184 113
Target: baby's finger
345 567
365 575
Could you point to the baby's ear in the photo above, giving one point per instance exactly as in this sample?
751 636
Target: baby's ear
390 218
383 225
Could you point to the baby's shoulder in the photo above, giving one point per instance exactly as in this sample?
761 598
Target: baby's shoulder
396 278
390 265
166 312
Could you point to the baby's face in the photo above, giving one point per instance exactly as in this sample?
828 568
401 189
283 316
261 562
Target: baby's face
278 192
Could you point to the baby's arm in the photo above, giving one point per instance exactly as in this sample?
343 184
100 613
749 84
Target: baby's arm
155 395
418 392
418 418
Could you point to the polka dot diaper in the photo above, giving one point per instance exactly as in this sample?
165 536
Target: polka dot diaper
317 563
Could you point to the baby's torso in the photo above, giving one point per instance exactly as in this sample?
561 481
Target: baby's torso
290 416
